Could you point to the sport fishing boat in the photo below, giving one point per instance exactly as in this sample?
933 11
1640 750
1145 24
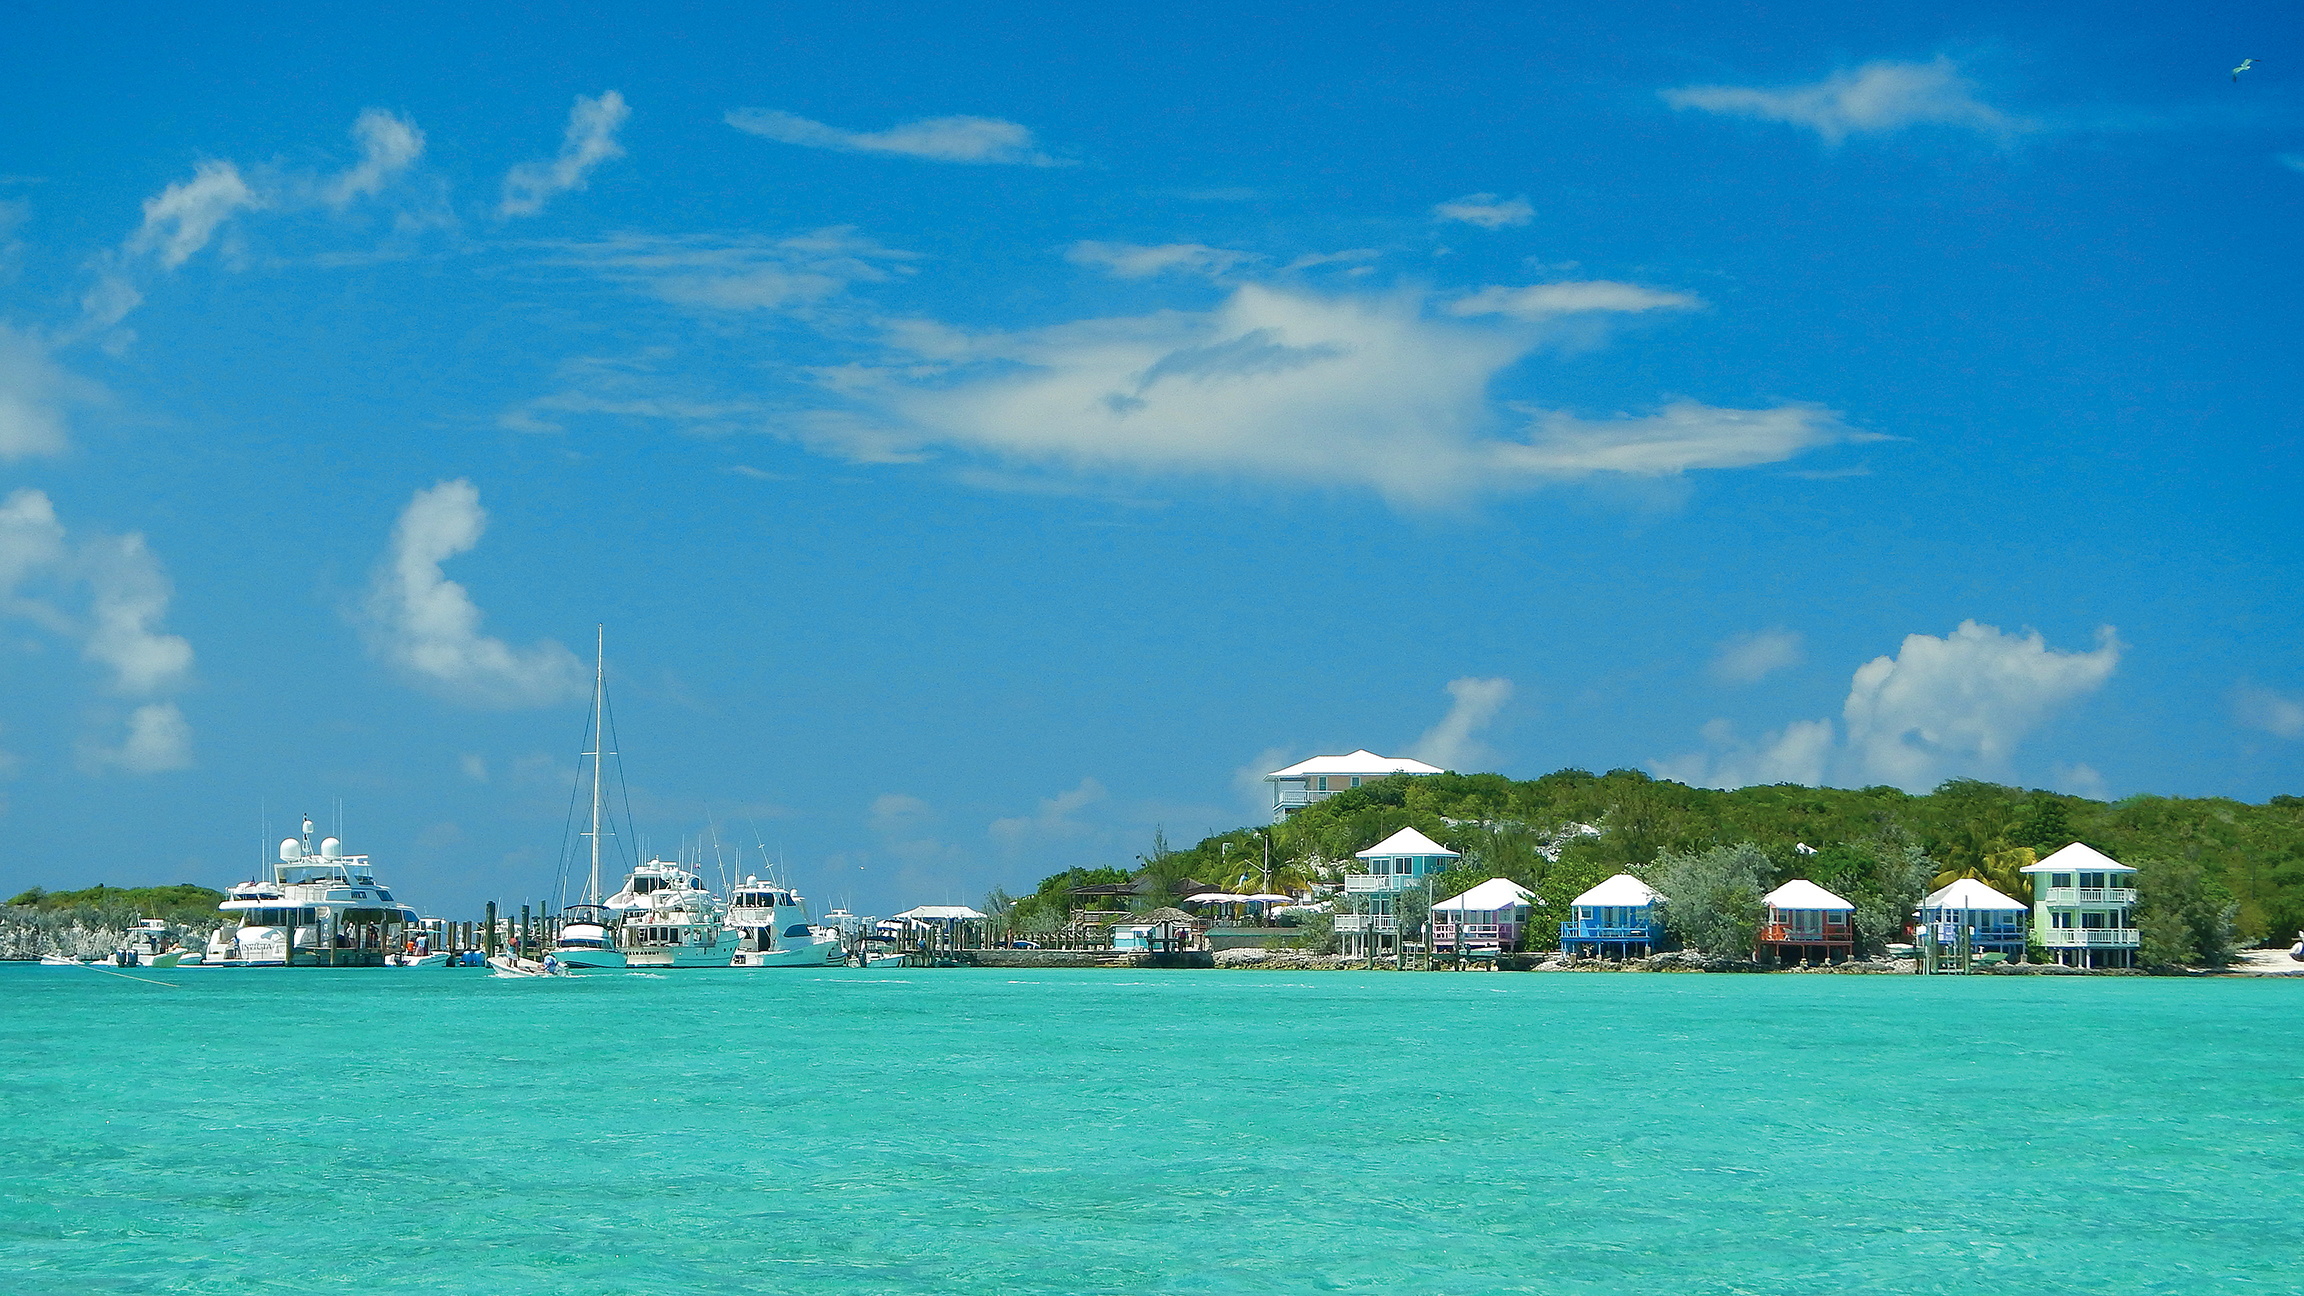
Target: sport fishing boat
150 944
774 931
665 918
318 908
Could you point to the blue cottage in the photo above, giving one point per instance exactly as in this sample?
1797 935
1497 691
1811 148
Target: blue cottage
1614 919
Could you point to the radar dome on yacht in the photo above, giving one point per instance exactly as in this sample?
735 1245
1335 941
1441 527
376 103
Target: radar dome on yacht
330 848
751 880
291 849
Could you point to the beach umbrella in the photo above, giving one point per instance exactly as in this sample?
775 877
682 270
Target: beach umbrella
1266 897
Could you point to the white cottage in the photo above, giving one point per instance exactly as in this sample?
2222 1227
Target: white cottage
1805 922
1488 919
1972 914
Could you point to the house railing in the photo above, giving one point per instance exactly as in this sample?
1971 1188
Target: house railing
2070 937
1447 933
1357 924
1300 797
2090 895
1378 883
1582 931
1788 934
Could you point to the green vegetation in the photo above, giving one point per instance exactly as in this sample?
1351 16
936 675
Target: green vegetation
183 903
2229 872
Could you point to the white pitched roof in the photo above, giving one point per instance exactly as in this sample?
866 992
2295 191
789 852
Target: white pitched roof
2077 858
1363 762
1622 889
1800 893
940 912
1407 841
1968 893
1495 893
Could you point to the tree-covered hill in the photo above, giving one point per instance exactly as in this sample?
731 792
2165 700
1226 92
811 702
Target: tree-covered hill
1561 833
184 903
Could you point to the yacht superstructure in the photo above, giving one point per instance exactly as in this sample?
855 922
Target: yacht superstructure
317 908
665 918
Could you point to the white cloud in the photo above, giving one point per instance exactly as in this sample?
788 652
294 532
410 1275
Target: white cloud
1961 703
1685 436
428 625
1485 210
2292 161
1800 752
128 595
1344 390
1136 261
1877 98
1939 709
1453 743
1545 301
31 539
2081 781
589 141
181 219
158 739
474 765
977 140
1747 658
33 393
1053 821
389 144
2273 712
741 274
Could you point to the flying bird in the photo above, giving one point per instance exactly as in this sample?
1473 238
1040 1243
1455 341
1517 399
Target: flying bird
2245 64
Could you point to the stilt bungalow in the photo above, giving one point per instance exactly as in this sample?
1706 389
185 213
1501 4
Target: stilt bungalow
1396 864
1486 920
1805 923
1613 919
2083 908
1966 919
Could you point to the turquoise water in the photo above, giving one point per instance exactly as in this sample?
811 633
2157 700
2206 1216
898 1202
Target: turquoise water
1075 1132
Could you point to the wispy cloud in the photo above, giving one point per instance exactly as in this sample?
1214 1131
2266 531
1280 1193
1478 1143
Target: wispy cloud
2270 710
1875 99
34 393
983 141
1053 821
2292 161
740 273
1546 301
389 145
428 625
1136 261
180 219
1454 742
1485 210
1746 659
588 141
127 593
1364 390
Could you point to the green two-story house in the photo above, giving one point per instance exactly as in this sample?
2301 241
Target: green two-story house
2083 908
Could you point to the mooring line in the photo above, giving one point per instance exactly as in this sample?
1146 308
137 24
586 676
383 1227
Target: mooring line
146 980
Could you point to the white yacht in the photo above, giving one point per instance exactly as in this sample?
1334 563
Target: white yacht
774 931
317 909
666 919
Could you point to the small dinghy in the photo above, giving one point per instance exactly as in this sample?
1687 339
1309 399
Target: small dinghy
2295 951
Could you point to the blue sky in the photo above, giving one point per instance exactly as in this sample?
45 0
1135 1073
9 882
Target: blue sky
989 436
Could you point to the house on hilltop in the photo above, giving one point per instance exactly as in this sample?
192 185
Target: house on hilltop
1309 781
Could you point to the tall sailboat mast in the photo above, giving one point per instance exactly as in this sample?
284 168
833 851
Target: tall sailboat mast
599 730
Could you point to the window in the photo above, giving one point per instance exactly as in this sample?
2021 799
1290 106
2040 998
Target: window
2092 879
1323 782
2059 879
2095 919
1355 782
2060 918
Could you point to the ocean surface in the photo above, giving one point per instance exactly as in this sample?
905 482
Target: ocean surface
964 1131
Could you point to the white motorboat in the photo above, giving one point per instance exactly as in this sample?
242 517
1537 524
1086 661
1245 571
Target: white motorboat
150 944
58 960
665 918
318 908
774 930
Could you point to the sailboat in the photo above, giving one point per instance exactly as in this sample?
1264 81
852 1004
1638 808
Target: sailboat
587 935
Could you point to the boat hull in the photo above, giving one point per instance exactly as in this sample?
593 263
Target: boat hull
817 954
718 954
589 960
